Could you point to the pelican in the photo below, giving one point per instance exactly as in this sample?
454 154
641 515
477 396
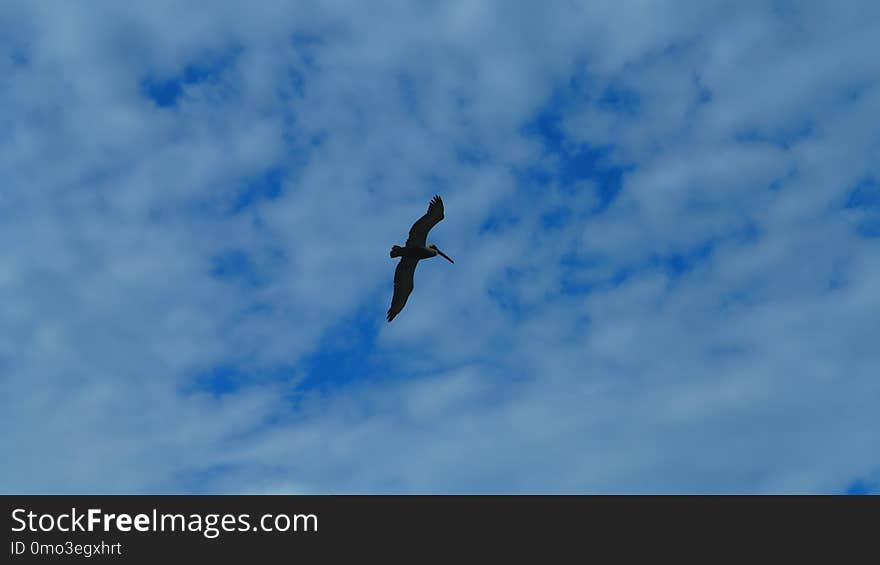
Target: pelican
415 250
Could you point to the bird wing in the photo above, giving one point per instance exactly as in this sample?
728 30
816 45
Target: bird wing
403 285
418 233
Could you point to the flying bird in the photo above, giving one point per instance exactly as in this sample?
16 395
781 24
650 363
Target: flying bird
415 250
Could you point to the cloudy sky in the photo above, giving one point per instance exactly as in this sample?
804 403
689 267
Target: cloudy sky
665 218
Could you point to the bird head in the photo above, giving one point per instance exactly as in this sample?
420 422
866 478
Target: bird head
444 255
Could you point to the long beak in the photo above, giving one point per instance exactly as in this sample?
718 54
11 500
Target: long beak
445 256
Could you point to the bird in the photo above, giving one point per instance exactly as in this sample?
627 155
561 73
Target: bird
414 251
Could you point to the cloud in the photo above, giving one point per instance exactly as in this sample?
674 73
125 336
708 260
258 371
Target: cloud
663 221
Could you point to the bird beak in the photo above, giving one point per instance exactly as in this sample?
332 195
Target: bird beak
445 256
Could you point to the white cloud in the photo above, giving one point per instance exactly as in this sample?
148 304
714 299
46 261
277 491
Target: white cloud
749 368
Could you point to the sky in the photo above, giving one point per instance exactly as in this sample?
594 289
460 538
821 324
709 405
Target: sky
664 216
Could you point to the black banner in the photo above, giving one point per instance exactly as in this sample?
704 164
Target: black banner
415 528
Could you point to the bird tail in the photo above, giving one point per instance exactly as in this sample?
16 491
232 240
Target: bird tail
396 251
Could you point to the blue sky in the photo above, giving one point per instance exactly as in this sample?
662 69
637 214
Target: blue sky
665 219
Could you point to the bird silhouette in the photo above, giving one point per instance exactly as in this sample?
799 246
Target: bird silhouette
414 251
